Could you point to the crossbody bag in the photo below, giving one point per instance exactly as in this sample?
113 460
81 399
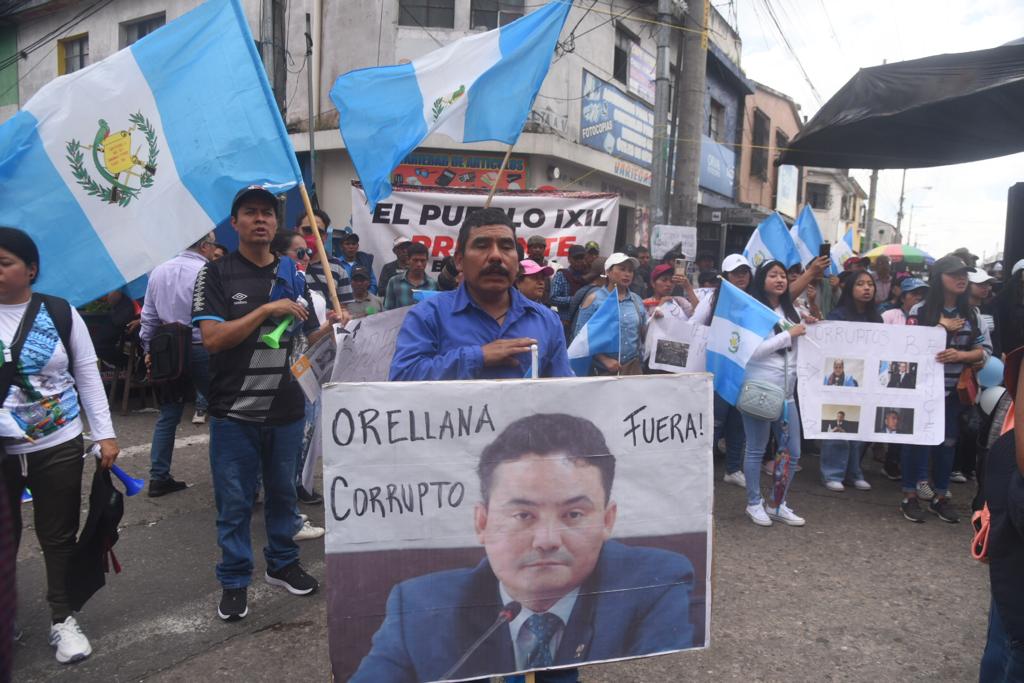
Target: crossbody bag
764 400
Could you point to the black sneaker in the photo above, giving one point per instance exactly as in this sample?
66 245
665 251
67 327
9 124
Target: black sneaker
891 470
945 511
294 578
308 497
911 510
234 604
161 487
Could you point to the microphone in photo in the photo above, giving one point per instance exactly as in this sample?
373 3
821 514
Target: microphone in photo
507 614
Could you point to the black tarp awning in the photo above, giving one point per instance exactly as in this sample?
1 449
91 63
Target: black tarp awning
940 110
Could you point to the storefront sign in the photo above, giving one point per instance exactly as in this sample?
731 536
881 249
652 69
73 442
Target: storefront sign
441 169
786 188
614 123
717 167
642 65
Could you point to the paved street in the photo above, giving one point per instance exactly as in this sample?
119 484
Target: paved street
859 594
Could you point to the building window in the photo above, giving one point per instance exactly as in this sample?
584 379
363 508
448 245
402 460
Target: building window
844 208
490 14
72 54
624 41
760 140
131 31
716 121
819 196
781 141
427 13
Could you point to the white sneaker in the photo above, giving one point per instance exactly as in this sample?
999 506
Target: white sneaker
835 486
924 491
785 515
308 532
862 485
71 643
736 478
757 515
199 417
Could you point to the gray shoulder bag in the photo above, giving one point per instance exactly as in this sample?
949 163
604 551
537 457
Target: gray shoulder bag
764 400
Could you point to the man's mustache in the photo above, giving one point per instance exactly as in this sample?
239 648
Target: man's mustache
560 556
495 269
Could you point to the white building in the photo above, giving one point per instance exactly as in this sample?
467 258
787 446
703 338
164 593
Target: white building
838 202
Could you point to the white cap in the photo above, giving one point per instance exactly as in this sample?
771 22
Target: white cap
400 241
978 276
734 261
1019 265
997 267
617 258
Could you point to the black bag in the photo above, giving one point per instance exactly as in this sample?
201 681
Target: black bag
89 558
169 352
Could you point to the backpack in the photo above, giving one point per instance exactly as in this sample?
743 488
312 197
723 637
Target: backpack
60 313
90 555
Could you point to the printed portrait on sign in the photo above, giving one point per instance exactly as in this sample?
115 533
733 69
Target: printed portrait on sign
844 372
897 374
671 352
842 419
894 420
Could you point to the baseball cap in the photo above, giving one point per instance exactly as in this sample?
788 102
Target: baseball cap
978 276
399 241
593 246
359 271
537 239
660 270
252 191
349 237
580 250
734 261
1019 265
531 267
912 284
997 267
617 258
948 264
964 253
853 260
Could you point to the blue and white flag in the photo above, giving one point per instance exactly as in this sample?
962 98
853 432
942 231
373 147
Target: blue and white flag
600 334
115 168
771 240
806 235
738 327
478 88
842 250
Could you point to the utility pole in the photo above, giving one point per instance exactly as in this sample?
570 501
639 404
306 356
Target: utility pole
272 48
899 214
869 228
312 114
659 161
690 88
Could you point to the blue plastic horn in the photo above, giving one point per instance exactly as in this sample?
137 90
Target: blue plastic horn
131 484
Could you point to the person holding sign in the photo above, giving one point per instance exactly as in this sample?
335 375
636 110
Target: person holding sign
841 459
562 591
774 362
483 329
619 269
947 306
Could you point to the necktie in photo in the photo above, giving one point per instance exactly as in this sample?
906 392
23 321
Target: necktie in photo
544 627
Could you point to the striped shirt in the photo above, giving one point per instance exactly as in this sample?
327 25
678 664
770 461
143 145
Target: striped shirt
966 338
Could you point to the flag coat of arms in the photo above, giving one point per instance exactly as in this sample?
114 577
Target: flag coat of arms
842 250
115 168
739 325
478 88
771 240
600 334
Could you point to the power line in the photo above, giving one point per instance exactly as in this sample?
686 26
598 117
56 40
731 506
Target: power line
792 52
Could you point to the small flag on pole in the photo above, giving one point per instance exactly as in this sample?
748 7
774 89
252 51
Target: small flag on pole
842 250
600 334
115 168
738 327
478 88
771 241
806 235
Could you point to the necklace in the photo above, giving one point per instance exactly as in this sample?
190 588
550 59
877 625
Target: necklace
500 318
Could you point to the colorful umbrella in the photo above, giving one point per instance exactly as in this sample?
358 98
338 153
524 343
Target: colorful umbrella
901 253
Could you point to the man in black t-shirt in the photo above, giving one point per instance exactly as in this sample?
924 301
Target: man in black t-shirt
256 407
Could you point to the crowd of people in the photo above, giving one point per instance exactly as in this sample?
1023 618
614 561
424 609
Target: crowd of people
503 296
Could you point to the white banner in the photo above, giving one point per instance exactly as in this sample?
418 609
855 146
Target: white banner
665 238
673 343
439 492
871 382
365 351
433 218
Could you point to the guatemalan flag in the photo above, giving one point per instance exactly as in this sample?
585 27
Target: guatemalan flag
478 88
806 235
842 250
738 327
600 334
115 168
771 240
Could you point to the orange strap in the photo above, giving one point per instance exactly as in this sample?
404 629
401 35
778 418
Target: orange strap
979 544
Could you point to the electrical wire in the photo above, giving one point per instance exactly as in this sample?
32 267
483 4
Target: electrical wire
60 30
792 52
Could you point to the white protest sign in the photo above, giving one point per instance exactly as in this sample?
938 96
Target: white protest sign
871 382
664 238
433 218
673 343
364 353
315 366
615 472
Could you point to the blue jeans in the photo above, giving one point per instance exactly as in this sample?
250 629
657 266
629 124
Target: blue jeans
914 459
170 415
841 459
757 439
238 452
1003 659
729 423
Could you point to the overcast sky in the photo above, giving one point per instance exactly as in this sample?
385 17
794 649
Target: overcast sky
966 205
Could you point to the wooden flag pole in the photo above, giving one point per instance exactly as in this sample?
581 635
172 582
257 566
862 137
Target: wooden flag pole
497 181
331 290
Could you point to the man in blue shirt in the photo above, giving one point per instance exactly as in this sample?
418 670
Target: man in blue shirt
483 329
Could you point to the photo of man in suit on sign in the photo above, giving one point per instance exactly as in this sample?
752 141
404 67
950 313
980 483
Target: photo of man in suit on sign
553 590
840 419
894 420
902 375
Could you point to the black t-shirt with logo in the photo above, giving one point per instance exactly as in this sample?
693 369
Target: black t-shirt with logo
250 382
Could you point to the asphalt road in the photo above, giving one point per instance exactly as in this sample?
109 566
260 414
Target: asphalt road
859 594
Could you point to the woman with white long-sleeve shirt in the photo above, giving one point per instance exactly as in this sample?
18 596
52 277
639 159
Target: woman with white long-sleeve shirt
774 362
